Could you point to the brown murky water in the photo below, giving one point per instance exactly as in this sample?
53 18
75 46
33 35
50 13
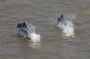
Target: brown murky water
43 14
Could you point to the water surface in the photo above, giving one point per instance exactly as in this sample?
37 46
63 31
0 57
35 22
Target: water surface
43 14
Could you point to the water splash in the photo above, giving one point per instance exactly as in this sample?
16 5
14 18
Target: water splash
68 29
32 33
29 30
66 26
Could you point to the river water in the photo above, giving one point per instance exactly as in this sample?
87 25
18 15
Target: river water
43 14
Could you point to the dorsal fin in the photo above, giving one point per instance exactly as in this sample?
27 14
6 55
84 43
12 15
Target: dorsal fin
61 19
62 16
24 24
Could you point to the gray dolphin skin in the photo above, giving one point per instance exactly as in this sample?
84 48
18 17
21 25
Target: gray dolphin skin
22 27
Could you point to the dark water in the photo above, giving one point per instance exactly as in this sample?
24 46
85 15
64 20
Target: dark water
43 14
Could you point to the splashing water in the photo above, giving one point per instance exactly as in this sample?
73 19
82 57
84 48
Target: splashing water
68 29
29 31
67 26
34 37
32 33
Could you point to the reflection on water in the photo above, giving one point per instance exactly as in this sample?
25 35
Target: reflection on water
27 42
35 45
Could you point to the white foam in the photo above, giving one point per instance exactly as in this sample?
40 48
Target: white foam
34 37
68 29
32 33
